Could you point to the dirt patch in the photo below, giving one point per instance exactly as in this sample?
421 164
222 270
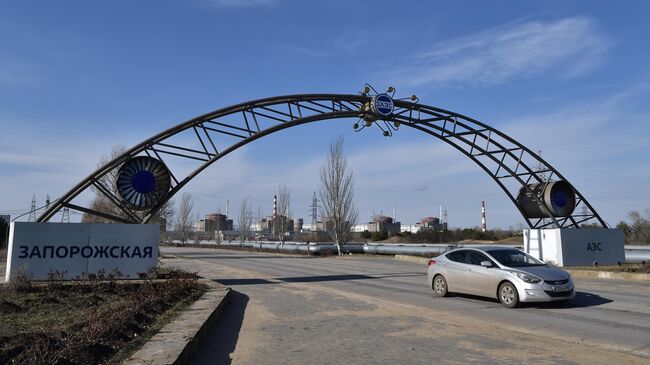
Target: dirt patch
87 322
394 239
512 240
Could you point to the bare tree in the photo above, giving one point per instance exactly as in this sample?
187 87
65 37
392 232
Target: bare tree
337 196
184 220
164 219
258 221
639 228
101 202
245 219
4 232
283 217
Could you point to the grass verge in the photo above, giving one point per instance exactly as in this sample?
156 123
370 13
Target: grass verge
88 321
631 268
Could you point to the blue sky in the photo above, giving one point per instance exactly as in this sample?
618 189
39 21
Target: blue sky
569 78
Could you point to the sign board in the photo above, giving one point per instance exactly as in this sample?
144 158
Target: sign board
38 249
576 247
383 105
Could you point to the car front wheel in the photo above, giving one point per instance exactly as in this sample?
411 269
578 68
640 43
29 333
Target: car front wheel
508 295
439 286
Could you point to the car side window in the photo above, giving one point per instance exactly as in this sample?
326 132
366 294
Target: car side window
457 256
475 258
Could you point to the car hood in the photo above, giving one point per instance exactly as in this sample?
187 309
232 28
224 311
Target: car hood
545 272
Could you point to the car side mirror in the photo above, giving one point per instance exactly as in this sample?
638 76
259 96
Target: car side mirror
486 264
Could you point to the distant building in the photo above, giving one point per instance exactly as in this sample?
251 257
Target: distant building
265 226
429 221
410 228
298 224
379 223
215 222
425 224
310 227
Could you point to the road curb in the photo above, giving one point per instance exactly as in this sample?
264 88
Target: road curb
177 341
608 275
576 273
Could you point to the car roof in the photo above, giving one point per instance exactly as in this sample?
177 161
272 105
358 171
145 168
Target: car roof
485 248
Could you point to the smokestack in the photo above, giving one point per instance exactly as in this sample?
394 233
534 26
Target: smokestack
275 205
483 220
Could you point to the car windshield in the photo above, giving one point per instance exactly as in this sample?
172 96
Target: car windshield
514 258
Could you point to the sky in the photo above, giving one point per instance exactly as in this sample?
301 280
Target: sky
568 78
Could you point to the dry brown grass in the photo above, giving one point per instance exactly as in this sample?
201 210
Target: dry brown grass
88 321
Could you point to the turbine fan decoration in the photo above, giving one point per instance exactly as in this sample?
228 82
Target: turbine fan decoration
142 181
559 197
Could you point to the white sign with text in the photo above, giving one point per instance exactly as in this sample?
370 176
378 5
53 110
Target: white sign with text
38 250
576 247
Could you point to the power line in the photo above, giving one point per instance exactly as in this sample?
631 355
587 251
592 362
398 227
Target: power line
65 215
314 211
32 210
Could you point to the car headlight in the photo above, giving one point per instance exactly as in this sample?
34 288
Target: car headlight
527 278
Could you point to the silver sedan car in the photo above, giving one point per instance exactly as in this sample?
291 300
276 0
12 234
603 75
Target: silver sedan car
505 273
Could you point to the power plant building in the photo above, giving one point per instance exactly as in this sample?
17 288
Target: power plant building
266 225
215 222
379 223
298 224
427 223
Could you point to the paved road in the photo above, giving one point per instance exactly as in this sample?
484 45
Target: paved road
378 310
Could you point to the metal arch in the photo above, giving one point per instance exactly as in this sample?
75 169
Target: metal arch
280 112
212 136
465 133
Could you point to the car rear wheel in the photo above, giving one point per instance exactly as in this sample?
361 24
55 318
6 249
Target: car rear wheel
439 286
508 295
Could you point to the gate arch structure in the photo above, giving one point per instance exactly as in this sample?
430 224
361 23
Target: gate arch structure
523 175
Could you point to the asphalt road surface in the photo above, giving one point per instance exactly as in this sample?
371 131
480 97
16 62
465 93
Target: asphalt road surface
378 310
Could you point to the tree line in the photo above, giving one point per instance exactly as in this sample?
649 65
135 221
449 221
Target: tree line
638 230
450 235
336 193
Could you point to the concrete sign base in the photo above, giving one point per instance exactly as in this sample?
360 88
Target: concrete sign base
576 247
38 250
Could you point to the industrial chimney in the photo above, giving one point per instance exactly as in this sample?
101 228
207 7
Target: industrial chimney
275 206
483 220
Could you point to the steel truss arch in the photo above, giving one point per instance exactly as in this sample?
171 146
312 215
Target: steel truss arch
206 139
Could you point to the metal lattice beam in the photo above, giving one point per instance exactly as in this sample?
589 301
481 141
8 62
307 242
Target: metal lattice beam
208 138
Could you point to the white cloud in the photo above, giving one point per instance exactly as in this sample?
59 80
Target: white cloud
600 146
40 165
568 47
346 43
